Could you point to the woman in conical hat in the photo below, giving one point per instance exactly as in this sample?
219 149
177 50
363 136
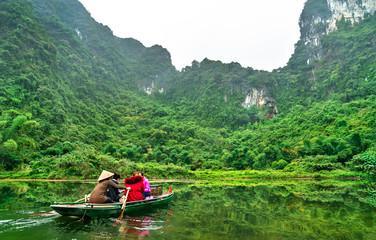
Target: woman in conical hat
104 181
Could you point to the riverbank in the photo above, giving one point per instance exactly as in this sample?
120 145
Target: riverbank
207 174
278 174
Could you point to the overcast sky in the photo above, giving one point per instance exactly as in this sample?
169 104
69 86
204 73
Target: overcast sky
255 33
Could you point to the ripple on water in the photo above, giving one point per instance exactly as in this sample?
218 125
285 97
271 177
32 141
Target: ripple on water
27 212
9 225
4 221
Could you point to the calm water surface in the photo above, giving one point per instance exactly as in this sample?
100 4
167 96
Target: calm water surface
242 209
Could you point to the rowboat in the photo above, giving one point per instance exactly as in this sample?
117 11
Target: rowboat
103 210
98 210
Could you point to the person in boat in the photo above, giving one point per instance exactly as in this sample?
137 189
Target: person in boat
113 193
137 187
145 181
104 181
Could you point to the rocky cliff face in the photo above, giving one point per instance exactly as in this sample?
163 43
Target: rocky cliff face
320 17
262 99
150 87
353 10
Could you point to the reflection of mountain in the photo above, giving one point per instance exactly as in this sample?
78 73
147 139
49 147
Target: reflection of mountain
248 209
322 210
21 195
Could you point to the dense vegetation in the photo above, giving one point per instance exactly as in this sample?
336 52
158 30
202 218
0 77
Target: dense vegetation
72 102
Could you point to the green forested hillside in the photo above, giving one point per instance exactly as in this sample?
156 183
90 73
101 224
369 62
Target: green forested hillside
72 102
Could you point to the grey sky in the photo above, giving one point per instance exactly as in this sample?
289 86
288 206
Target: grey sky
256 33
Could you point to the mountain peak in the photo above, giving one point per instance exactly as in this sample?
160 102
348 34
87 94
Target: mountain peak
320 17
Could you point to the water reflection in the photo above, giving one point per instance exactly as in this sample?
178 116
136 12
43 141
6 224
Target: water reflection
137 228
202 210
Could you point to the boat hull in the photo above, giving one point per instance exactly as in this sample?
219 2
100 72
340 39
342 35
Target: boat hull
109 210
67 210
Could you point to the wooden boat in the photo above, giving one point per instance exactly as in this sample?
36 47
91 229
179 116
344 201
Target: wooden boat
95 210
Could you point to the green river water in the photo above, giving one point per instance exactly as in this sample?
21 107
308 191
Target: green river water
232 209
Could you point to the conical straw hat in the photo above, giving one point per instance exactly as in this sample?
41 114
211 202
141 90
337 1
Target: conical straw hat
105 174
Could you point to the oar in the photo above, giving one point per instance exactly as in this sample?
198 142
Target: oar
41 214
86 196
122 207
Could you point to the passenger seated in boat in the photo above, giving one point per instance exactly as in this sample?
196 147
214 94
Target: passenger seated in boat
98 194
137 187
146 194
113 193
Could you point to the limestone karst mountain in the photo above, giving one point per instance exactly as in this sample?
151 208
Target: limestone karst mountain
74 97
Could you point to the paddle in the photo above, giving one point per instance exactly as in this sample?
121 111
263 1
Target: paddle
41 214
122 207
86 196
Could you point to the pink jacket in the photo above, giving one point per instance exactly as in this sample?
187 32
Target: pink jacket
146 185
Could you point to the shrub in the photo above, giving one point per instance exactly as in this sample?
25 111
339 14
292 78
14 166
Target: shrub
260 162
9 160
291 167
110 148
281 164
212 164
364 162
10 146
58 149
320 162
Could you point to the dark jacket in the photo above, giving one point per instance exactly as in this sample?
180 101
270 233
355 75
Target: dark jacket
113 193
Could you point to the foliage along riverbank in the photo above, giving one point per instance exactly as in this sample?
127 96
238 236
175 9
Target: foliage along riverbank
173 172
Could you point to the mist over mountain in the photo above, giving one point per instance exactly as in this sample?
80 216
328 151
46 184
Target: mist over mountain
74 98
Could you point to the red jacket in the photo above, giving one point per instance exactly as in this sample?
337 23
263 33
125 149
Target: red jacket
137 188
